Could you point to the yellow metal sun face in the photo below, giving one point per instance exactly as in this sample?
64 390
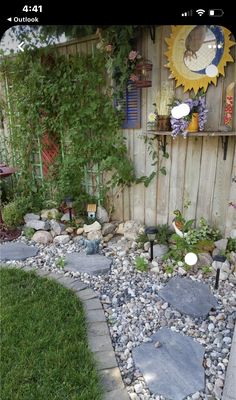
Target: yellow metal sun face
198 54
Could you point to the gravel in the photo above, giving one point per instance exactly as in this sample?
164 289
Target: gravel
134 311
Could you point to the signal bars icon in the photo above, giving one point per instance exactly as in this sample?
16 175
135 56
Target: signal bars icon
187 13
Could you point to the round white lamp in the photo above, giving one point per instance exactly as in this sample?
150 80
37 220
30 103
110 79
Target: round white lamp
190 259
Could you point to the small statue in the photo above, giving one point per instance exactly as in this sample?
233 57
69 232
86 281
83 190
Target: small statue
92 246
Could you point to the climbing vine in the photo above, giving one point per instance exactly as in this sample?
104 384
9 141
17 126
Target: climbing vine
67 99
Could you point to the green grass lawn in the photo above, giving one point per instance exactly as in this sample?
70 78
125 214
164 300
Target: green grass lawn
44 353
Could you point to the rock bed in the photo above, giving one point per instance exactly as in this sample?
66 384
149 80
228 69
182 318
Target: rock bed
134 311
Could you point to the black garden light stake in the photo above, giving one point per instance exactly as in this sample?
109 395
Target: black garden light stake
69 205
219 261
151 232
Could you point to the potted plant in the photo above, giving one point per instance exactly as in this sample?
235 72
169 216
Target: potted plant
189 115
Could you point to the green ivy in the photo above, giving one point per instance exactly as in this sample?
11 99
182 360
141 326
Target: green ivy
67 98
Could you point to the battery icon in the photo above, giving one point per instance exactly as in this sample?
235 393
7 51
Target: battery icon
216 12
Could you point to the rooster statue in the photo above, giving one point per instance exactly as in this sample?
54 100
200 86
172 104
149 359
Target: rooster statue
179 220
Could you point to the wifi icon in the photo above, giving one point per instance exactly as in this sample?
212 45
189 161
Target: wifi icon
200 12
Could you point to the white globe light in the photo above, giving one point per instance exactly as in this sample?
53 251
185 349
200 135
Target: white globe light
180 111
190 258
211 71
185 109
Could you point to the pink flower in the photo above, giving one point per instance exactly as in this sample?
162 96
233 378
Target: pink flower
133 55
109 48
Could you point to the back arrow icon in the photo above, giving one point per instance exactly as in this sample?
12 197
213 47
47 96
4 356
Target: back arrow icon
20 46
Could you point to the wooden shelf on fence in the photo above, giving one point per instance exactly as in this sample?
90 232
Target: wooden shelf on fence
216 133
224 137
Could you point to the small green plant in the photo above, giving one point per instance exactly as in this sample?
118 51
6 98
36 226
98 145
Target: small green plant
28 232
163 234
206 269
13 214
203 233
169 269
141 264
141 239
60 263
231 245
179 248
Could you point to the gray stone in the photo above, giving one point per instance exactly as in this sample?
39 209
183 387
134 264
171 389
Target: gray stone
131 229
57 227
106 359
61 239
159 250
204 259
95 235
94 264
188 296
169 370
120 394
92 246
102 215
111 379
107 228
221 244
17 251
233 234
65 217
31 217
38 225
43 237
100 343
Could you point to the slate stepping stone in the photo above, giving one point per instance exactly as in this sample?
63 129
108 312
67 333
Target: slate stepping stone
188 296
174 368
17 251
94 264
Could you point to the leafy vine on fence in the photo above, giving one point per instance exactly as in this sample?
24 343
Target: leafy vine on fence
68 99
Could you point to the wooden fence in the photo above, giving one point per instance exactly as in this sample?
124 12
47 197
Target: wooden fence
196 170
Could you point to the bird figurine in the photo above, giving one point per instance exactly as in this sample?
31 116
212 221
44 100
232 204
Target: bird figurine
179 220
194 41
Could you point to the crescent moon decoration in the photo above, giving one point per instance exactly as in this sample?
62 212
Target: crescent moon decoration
189 44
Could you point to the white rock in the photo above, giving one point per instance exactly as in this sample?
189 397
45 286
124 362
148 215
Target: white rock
43 237
120 229
182 271
138 388
233 234
108 237
94 235
80 231
30 217
93 227
61 239
196 396
146 246
156 270
131 229
211 327
155 263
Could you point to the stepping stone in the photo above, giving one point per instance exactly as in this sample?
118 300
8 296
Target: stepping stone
188 296
17 251
94 264
174 369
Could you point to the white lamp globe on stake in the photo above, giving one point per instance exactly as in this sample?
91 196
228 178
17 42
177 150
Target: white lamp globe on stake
190 259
